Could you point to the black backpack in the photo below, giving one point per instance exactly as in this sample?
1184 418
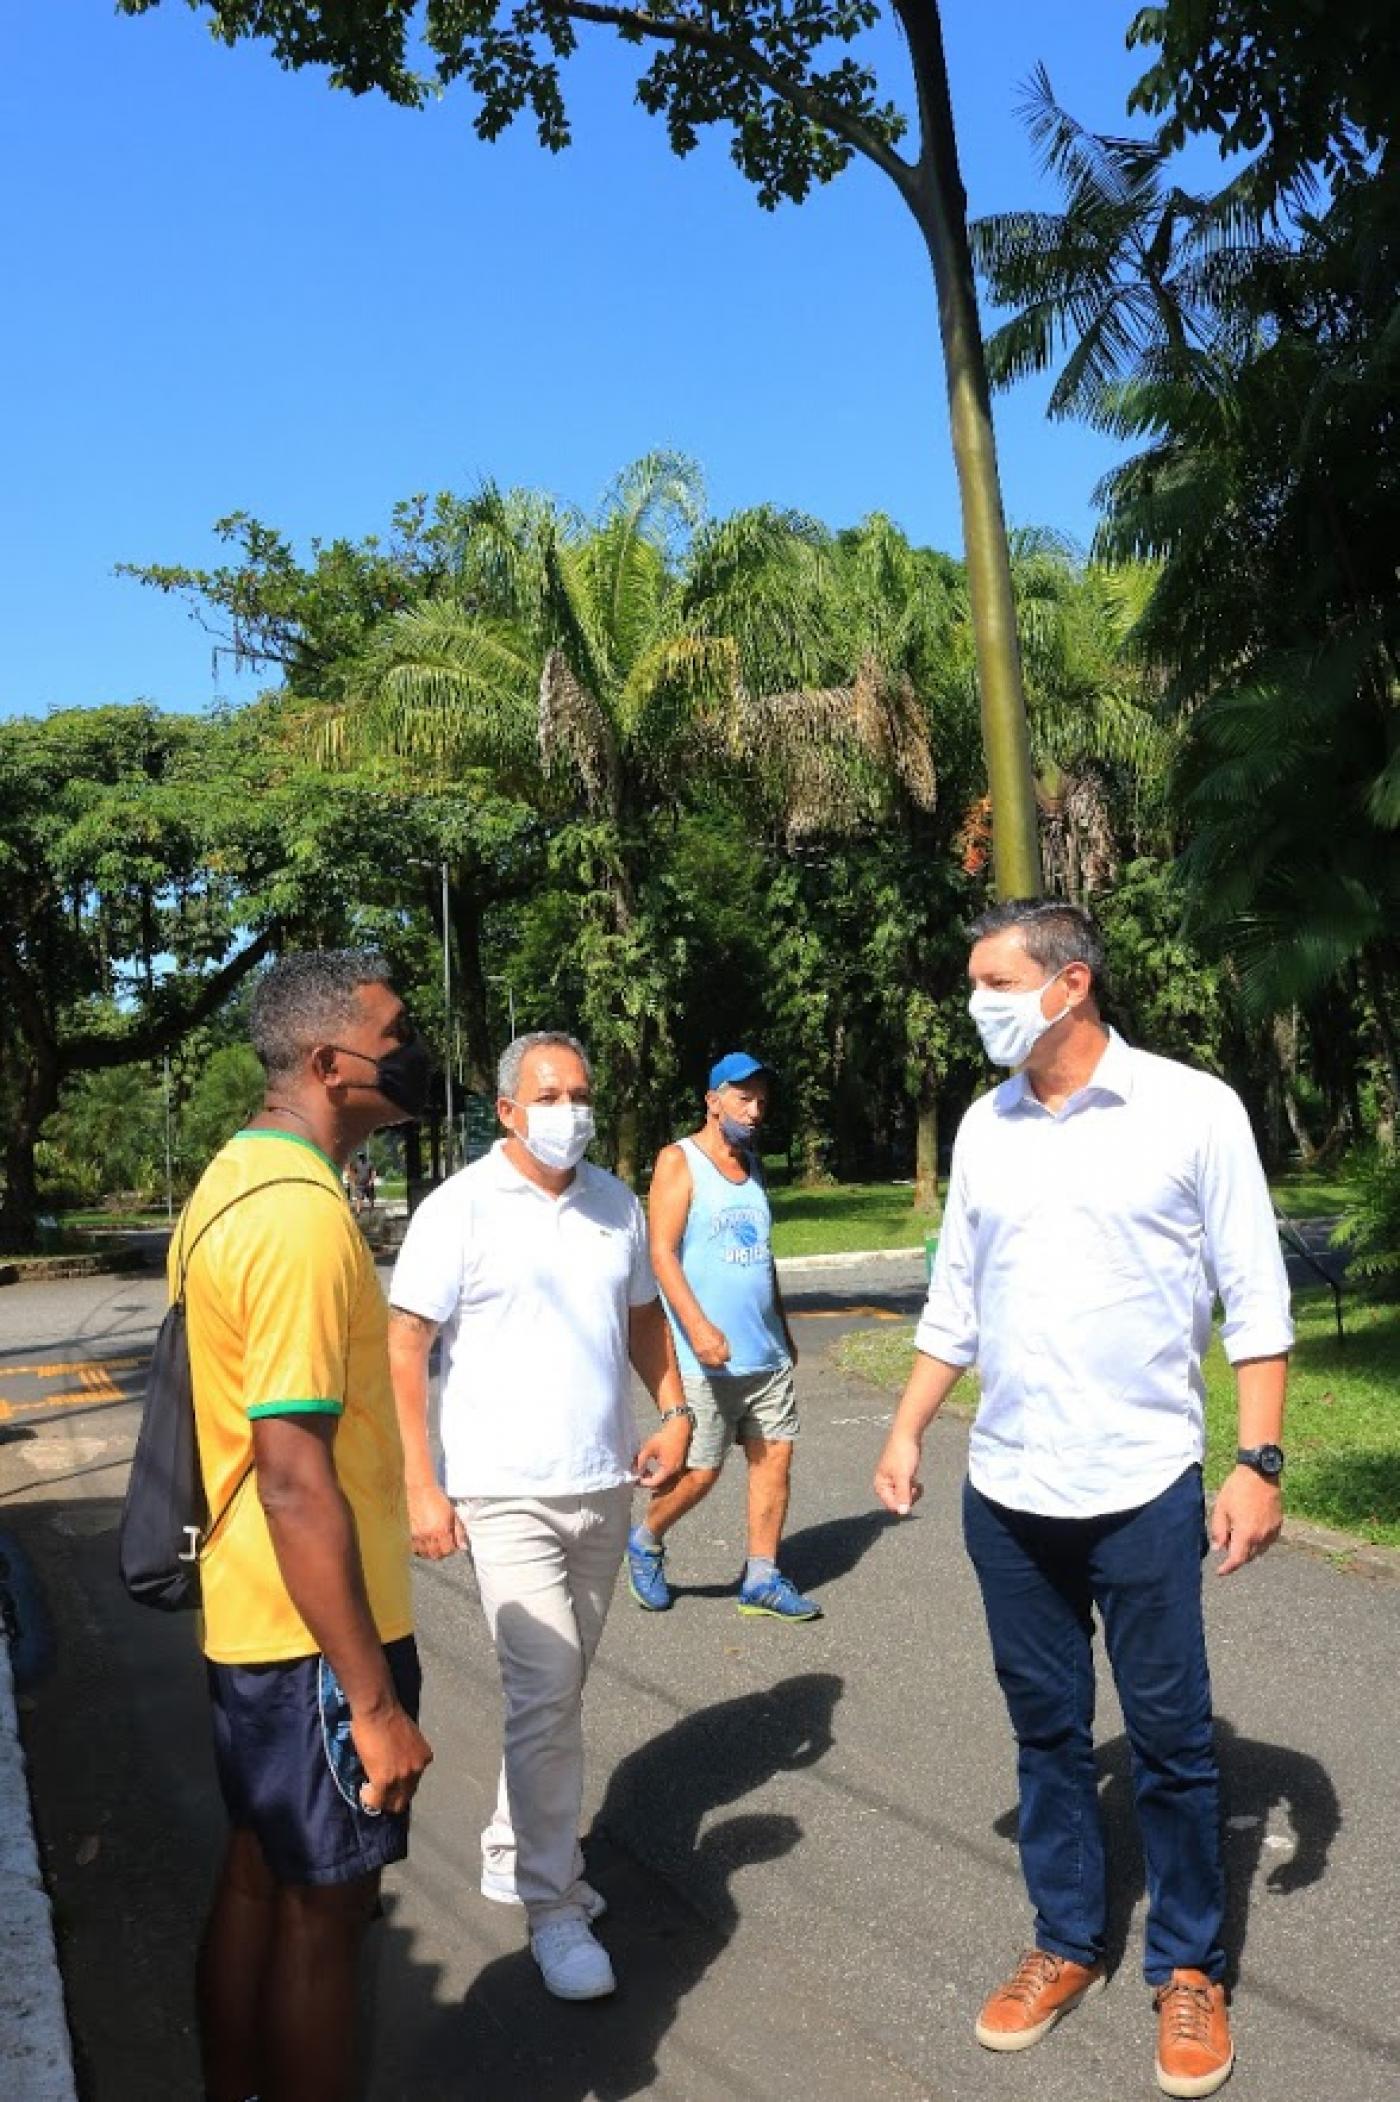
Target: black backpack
165 1517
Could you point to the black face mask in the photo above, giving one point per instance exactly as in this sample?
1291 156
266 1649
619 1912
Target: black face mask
402 1076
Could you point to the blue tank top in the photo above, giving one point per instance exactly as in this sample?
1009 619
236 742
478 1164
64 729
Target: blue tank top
727 1257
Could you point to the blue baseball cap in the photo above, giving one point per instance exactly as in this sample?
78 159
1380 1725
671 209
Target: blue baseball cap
734 1067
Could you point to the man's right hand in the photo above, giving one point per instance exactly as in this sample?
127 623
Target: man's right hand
897 1481
711 1346
436 1529
395 1755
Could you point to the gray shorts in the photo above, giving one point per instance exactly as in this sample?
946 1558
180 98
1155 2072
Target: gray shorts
736 1406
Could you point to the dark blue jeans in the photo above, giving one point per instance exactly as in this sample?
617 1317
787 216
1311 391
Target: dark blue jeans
1041 1579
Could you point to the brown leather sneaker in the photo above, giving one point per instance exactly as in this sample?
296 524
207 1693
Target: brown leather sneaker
1194 2053
1030 2003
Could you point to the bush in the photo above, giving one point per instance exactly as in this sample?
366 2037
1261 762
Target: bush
1370 1225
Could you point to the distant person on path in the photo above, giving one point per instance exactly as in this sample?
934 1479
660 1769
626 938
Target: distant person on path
711 1248
533 1263
1100 1200
308 1626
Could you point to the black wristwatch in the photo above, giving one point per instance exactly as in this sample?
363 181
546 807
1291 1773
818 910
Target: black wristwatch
1264 1459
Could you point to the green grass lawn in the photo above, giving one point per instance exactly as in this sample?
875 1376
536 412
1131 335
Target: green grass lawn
1343 1431
843 1216
1307 1193
836 1217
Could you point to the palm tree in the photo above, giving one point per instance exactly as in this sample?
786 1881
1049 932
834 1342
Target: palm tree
1134 274
609 670
1255 370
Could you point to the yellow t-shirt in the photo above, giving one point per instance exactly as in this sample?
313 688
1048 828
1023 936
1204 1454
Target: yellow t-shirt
286 1317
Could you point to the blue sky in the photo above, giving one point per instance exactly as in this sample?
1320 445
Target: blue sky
231 289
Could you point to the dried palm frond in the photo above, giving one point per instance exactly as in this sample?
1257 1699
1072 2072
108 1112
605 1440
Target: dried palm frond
574 730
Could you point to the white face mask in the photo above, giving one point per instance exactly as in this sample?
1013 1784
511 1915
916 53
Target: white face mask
1012 1024
557 1133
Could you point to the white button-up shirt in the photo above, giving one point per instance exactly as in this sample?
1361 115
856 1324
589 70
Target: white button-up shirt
1081 1254
533 1293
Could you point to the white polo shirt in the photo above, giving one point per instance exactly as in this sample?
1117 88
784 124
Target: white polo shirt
1080 1257
532 1293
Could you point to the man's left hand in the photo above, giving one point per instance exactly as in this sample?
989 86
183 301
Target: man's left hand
1247 1518
661 1459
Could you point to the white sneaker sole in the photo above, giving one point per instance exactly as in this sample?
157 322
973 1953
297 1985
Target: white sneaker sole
1022 2039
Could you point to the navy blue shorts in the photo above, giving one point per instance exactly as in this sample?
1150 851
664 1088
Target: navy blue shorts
288 1770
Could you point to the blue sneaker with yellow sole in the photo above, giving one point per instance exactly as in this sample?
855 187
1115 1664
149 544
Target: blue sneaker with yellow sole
646 1574
778 1598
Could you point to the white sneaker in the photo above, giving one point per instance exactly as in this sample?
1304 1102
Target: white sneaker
573 1965
501 1891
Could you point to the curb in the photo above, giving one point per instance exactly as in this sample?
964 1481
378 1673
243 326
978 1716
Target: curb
48 1269
847 1258
1347 1550
36 2061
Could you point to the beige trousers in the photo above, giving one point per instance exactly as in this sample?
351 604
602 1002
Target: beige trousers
545 1568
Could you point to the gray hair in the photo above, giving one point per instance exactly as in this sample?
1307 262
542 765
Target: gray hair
1055 933
304 999
515 1053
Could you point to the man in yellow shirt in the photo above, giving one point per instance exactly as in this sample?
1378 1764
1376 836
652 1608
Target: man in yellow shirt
308 1627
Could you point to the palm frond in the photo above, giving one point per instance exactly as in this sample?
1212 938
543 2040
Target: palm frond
441 686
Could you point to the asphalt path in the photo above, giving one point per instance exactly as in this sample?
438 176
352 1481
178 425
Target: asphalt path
804 1833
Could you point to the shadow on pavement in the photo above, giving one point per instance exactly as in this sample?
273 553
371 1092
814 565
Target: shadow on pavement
1256 1779
814 1555
508 2041
803 1302
126 1804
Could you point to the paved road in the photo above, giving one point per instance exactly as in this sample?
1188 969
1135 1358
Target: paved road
804 1832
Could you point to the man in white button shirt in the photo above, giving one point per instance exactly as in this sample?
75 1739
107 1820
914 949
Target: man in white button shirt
1100 1200
534 1264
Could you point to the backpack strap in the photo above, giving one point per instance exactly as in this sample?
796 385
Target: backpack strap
312 1182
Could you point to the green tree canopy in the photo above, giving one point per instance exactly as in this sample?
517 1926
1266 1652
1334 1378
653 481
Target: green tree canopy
794 88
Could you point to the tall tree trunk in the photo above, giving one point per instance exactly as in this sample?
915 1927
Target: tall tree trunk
926 1198
412 1157
1285 1037
936 197
1375 977
464 901
812 1150
628 1067
19 1208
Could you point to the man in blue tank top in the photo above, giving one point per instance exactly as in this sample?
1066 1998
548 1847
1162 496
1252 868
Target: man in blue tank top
711 1231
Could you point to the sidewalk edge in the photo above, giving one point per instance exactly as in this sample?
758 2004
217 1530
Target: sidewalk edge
846 1258
36 2059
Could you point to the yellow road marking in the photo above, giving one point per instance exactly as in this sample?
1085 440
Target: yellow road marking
845 1313
96 1383
65 1371
82 1397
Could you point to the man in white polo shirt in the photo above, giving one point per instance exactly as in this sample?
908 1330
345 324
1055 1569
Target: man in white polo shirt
533 1263
1100 1200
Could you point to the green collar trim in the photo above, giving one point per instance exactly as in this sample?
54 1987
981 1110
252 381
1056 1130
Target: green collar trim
293 1138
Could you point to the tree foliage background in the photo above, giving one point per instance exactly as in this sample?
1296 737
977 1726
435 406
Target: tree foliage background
700 781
